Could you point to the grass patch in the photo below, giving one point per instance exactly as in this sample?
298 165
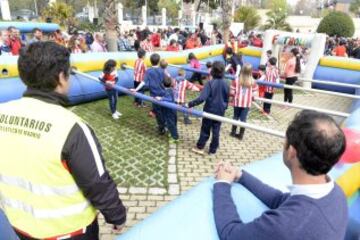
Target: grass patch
134 153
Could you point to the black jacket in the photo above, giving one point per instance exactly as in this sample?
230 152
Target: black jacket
81 159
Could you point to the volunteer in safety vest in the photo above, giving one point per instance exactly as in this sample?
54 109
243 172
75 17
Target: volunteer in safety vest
52 174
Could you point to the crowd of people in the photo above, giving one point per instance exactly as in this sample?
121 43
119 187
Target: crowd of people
343 47
170 39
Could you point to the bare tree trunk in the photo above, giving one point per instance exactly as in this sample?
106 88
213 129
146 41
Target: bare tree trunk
226 6
111 20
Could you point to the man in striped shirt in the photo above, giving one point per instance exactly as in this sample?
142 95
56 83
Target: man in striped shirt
139 73
272 76
147 45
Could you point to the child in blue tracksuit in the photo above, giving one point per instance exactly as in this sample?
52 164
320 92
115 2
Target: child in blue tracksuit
154 80
216 97
169 115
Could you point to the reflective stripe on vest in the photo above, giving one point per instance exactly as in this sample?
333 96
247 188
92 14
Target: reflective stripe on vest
42 213
37 188
38 194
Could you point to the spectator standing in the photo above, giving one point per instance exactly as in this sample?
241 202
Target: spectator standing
340 50
14 41
37 36
173 46
147 45
99 44
4 41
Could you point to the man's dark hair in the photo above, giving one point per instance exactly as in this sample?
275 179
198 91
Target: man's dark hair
40 64
167 81
36 30
154 59
318 140
218 70
273 61
141 53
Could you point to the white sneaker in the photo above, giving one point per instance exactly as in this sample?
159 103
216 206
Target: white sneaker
115 116
118 114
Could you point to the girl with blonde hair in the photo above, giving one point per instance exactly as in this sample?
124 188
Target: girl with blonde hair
241 92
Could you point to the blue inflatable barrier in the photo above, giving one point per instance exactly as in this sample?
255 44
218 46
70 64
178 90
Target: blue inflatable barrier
254 61
6 231
336 75
28 27
191 216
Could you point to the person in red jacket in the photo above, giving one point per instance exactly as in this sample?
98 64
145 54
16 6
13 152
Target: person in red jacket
14 41
155 39
173 46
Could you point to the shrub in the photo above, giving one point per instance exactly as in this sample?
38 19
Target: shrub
337 23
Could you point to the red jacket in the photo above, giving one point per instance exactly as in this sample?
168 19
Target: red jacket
155 39
15 46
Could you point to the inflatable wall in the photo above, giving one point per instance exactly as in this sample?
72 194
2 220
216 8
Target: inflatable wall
28 27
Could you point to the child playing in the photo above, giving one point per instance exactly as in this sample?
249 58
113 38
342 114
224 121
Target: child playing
215 95
208 67
139 73
262 77
272 76
110 78
164 65
154 80
241 91
169 115
194 63
181 85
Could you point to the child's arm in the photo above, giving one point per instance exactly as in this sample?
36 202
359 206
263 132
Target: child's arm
191 86
203 96
232 88
101 78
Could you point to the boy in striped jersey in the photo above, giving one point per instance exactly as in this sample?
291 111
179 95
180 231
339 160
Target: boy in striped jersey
272 76
241 91
139 73
181 85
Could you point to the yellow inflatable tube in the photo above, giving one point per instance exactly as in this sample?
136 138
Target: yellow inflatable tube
340 62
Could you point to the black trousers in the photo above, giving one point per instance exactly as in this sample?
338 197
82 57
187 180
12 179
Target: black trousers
208 126
267 106
92 233
196 77
288 93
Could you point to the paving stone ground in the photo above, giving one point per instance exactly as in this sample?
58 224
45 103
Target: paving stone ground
186 169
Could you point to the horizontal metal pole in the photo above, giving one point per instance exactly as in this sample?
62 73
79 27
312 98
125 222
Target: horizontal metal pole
276 85
293 105
348 85
191 111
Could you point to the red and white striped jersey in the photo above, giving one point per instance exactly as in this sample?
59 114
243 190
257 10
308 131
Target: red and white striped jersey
242 96
139 70
180 90
109 78
272 76
147 46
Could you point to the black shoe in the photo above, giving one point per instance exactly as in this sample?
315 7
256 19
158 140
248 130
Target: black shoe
212 152
233 131
240 136
162 131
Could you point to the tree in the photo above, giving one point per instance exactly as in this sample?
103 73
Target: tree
277 20
60 13
110 19
337 24
276 5
172 8
213 4
355 7
249 16
226 6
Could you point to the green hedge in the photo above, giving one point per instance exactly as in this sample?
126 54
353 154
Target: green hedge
337 23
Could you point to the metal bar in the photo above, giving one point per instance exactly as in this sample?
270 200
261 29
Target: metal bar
348 85
293 105
275 85
187 110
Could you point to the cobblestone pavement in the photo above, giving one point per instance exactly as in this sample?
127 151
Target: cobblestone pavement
186 169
